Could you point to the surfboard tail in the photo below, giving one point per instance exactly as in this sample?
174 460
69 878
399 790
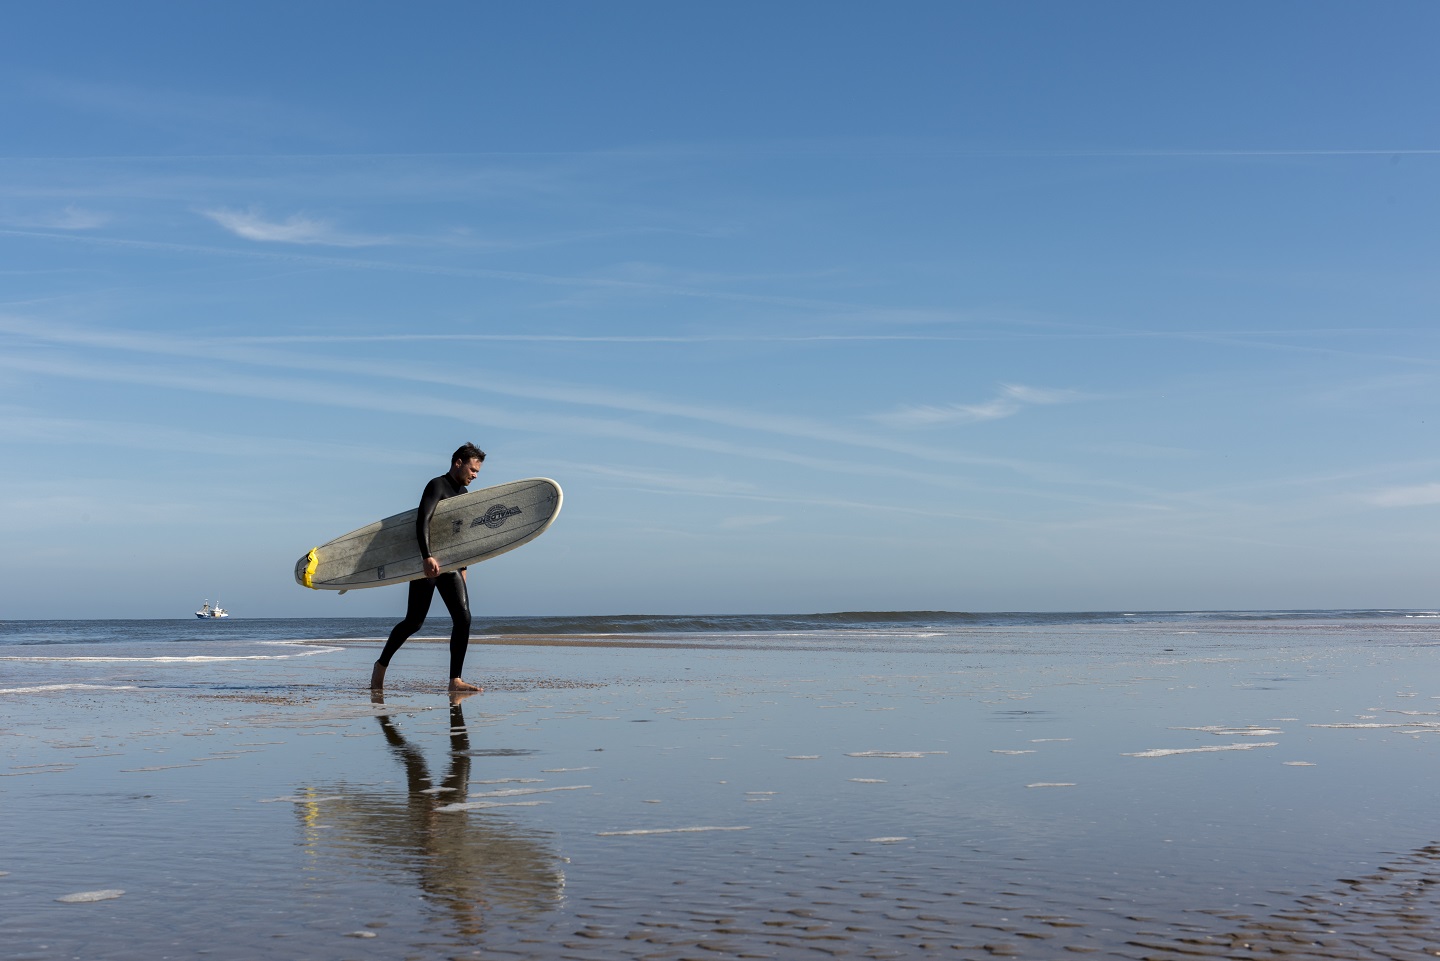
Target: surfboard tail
305 568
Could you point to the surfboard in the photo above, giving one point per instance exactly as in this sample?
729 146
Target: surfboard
465 530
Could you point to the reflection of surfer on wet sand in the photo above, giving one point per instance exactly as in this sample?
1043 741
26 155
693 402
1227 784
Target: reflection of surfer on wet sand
471 864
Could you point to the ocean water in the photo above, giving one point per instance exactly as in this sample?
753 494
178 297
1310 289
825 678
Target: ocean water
896 785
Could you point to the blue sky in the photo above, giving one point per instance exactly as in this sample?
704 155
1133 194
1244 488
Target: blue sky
807 306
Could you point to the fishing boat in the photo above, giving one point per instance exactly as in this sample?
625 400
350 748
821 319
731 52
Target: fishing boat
207 611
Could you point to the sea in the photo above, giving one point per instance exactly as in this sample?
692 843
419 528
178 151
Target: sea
897 785
927 628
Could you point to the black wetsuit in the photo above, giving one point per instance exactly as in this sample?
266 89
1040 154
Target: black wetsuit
451 586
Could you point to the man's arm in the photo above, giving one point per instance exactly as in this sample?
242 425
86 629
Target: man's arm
423 514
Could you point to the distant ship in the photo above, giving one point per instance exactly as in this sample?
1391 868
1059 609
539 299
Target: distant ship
207 611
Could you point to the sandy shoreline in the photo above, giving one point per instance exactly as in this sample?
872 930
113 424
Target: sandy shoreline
658 799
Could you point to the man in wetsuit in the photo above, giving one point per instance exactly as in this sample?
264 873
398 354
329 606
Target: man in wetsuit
464 465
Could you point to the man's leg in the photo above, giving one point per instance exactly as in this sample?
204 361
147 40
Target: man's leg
417 605
456 596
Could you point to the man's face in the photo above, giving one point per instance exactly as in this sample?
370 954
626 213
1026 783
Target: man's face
465 471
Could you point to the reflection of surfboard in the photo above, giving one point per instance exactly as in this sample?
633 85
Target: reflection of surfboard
465 530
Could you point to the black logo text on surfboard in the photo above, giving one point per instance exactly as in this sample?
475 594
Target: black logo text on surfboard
496 516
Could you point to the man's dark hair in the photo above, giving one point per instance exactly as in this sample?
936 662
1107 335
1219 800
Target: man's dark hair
465 452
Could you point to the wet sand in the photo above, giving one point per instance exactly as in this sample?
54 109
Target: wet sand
1135 794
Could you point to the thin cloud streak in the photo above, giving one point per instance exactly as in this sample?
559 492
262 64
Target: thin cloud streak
1013 398
431 406
296 229
21 425
347 263
586 397
70 217
1417 495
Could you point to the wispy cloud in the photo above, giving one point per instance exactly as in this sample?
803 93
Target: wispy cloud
1012 399
191 116
296 229
587 398
1416 495
69 218
22 425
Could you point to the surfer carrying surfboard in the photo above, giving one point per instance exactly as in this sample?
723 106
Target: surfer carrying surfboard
464 465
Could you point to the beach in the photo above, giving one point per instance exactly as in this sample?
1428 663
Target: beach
1138 786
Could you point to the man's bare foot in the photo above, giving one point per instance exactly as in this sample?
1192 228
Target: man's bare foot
461 686
377 677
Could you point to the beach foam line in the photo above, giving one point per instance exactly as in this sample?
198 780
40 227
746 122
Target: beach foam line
41 688
893 753
1249 730
483 805
520 791
87 897
641 831
1168 751
43 769
1412 725
193 658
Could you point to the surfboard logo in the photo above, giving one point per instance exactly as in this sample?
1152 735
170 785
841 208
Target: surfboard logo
380 573
496 516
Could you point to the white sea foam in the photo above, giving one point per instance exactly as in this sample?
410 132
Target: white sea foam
40 688
1250 730
1052 784
87 897
893 753
869 780
1168 751
518 791
484 805
638 832
188 659
998 751
896 840
1413 725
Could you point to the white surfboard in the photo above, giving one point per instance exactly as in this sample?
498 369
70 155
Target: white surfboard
464 530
